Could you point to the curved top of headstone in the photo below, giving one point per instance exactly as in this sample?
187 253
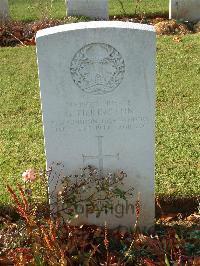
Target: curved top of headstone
94 25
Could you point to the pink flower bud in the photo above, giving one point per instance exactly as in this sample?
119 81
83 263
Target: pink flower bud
29 175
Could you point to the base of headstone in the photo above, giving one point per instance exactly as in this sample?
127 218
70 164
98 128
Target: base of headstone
186 10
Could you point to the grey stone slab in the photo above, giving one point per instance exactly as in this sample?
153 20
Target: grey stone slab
4 11
90 8
97 83
187 10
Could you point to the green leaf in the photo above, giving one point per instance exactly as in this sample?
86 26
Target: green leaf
166 260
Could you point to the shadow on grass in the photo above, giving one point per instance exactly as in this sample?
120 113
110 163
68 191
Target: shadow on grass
164 206
147 16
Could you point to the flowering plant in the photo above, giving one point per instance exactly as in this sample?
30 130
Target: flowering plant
92 192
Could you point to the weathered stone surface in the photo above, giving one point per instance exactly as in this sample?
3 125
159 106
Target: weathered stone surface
94 9
187 10
4 12
97 91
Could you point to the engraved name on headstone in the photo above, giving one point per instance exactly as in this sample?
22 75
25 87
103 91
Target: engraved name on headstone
98 104
90 8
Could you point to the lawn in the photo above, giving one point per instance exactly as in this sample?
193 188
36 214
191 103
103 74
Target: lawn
177 134
21 141
29 10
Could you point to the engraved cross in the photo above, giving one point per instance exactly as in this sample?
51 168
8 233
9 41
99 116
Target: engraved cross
100 157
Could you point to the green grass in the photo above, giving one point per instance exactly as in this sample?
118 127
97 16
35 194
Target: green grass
21 140
30 10
177 135
145 7
178 109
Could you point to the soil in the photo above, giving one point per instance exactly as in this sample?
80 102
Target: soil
15 33
179 229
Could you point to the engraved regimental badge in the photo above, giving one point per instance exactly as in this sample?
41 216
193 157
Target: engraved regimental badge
97 68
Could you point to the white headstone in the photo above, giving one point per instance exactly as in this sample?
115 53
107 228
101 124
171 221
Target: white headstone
90 8
98 103
4 13
187 10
